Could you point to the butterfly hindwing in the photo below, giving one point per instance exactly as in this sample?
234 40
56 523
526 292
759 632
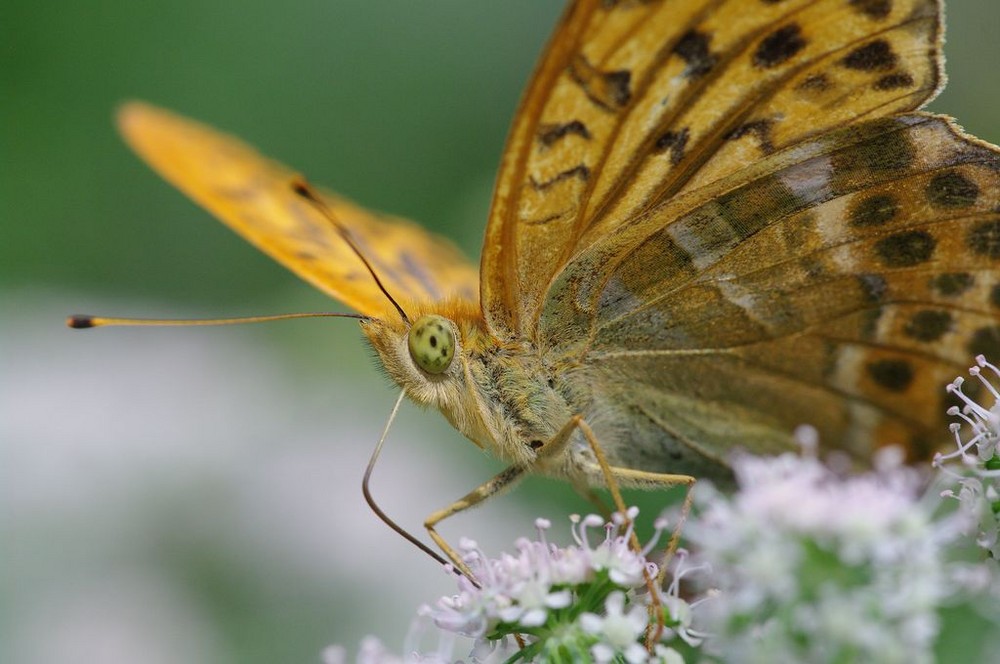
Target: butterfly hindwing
254 197
848 279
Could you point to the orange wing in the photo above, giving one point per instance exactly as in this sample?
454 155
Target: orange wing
636 102
253 196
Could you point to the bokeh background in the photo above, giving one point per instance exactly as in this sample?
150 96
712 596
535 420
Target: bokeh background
193 495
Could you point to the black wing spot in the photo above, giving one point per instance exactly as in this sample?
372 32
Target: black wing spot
551 133
761 129
693 50
873 56
952 190
619 86
876 9
906 249
893 375
928 325
952 284
894 82
675 142
579 171
610 90
779 46
876 210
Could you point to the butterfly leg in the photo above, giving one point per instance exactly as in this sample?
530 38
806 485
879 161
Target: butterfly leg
641 479
613 476
495 486
646 480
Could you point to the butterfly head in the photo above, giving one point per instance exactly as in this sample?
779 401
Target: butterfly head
425 355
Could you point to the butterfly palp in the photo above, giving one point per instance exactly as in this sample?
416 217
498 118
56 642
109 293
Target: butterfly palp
432 343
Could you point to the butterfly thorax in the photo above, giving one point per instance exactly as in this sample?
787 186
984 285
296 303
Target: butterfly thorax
496 393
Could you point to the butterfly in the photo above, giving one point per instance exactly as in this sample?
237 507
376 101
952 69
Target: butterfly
714 220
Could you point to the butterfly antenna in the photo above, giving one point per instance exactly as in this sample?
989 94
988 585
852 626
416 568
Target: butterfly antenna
305 190
83 321
371 501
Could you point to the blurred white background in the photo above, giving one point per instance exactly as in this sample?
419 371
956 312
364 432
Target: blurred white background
166 491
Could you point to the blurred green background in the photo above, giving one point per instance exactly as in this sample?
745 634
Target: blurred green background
191 495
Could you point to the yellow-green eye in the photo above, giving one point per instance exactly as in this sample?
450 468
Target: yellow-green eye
432 343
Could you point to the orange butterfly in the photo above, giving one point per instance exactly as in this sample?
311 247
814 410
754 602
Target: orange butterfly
714 220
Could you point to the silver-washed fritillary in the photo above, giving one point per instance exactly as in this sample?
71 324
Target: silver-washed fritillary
714 220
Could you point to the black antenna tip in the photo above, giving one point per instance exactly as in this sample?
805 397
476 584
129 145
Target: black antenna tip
302 188
80 322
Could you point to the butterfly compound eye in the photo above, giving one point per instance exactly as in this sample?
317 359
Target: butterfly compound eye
432 343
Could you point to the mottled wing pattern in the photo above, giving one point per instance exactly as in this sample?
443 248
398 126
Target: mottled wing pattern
841 282
636 102
254 197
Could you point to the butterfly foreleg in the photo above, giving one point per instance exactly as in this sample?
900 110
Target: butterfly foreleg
495 486
642 479
553 448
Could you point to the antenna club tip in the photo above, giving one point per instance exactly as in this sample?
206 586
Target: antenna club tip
80 322
301 187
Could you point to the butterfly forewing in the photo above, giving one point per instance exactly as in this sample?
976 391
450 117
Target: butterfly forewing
637 102
253 196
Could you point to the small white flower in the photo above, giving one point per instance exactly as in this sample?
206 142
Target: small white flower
493 652
666 655
680 612
618 629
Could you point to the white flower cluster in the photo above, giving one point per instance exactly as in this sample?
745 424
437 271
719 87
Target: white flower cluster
814 567
580 601
974 466
524 588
